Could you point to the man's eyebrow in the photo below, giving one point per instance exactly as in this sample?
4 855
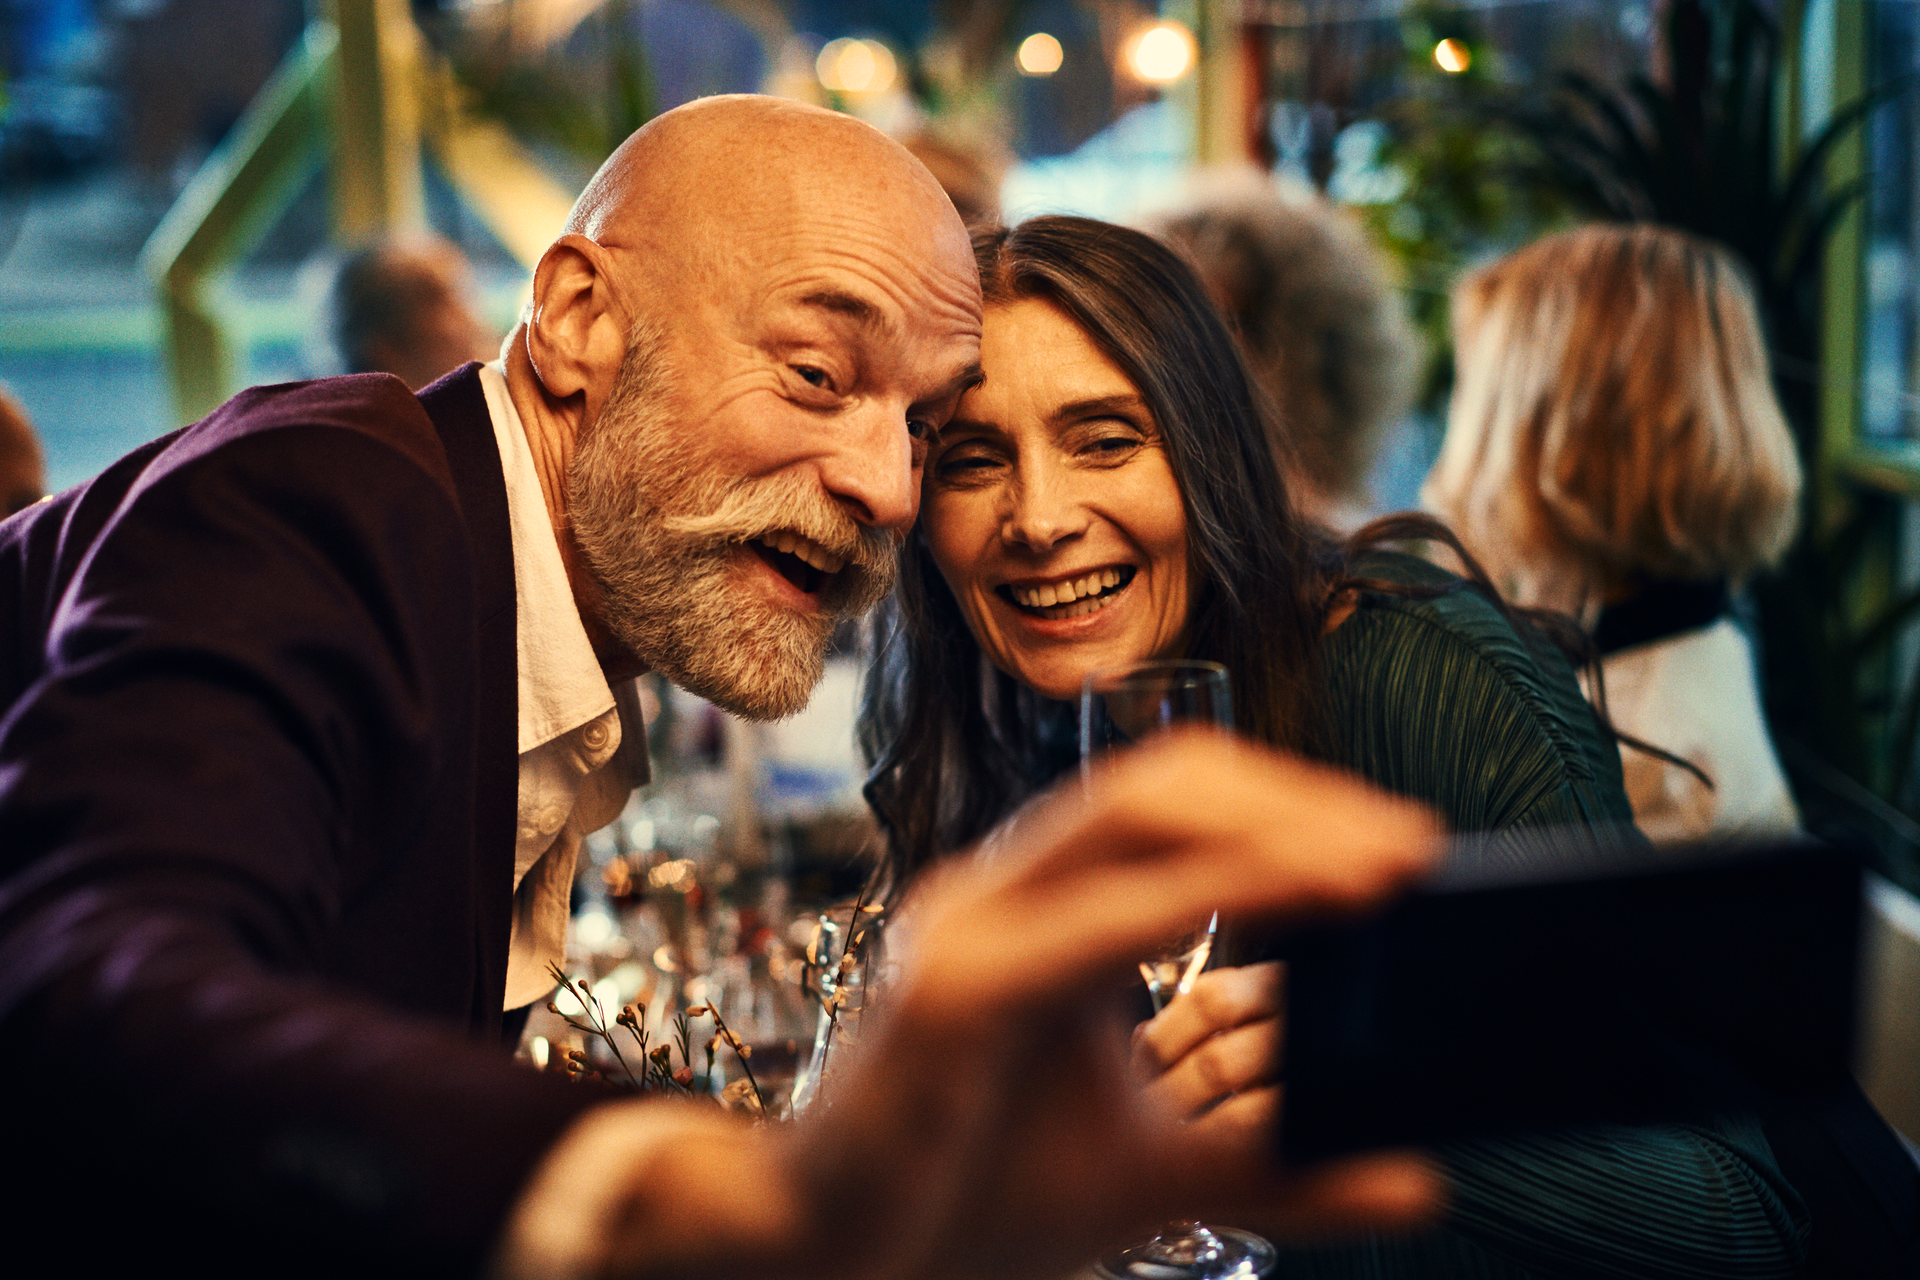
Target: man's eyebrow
855 308
962 382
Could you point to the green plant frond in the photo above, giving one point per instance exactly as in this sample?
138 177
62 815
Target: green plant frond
1801 252
1884 629
1752 44
1815 150
1570 141
1808 173
1630 141
1673 159
1906 736
1596 151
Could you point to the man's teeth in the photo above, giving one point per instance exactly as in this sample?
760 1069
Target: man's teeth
1053 593
805 549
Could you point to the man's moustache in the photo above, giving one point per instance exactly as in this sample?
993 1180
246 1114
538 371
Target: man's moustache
750 511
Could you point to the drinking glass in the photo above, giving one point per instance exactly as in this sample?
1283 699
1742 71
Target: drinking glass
1118 707
841 986
1121 705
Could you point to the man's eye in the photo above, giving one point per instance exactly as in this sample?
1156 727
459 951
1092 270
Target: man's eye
920 428
810 375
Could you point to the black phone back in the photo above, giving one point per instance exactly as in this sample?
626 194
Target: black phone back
1593 986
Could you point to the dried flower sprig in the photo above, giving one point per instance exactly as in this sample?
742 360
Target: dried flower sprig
657 1072
741 1051
596 1019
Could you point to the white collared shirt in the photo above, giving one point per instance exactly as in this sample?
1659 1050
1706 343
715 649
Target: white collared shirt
574 779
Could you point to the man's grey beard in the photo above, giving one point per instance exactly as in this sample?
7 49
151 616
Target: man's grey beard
660 525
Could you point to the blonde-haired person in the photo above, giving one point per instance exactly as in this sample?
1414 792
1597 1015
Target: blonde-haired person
1614 450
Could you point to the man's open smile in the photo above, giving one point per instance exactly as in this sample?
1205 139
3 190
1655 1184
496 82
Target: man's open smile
800 560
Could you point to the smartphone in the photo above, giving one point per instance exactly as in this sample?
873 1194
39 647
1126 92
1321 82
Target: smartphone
1573 978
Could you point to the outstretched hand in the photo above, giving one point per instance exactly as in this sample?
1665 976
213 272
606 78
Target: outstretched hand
991 1120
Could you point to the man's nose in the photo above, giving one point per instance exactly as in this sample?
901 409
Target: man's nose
870 467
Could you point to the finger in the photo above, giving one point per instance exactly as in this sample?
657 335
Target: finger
1247 1117
1236 1180
1099 877
1243 1058
1218 1001
1377 1192
1343 841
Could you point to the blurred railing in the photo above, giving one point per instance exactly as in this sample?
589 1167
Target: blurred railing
358 93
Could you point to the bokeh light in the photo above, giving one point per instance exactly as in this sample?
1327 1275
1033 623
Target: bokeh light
1040 55
1452 56
856 66
1161 53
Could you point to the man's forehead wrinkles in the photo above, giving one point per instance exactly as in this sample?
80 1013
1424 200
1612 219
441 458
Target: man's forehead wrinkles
872 295
861 234
960 296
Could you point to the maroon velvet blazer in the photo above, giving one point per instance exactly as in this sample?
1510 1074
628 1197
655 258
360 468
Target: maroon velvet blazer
257 789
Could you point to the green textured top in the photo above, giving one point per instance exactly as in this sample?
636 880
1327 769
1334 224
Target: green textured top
1440 700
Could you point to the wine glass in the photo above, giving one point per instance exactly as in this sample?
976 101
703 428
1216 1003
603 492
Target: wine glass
1120 706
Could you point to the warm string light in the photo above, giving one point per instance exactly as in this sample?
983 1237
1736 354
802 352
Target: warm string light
856 66
1452 56
1161 53
1040 55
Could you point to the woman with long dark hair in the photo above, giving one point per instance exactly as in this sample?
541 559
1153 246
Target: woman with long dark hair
1109 492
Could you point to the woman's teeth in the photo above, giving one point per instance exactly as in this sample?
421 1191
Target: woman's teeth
805 549
1071 599
1053 593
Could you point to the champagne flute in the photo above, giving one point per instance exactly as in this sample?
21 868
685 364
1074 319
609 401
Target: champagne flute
1118 707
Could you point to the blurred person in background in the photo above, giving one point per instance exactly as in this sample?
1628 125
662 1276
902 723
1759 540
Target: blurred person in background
1614 451
23 466
405 306
1324 330
969 174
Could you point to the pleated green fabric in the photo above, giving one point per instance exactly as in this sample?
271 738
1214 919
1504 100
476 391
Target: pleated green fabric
1440 700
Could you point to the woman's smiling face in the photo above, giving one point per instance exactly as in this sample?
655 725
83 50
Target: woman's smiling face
1051 508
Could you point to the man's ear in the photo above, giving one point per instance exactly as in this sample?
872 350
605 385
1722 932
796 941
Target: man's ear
577 335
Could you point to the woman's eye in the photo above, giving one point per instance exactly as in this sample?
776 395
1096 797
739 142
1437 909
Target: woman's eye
970 464
1112 446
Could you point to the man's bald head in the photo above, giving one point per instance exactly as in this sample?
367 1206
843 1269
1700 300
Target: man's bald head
23 471
702 165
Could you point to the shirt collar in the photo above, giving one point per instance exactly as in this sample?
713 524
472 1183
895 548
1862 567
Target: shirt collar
560 682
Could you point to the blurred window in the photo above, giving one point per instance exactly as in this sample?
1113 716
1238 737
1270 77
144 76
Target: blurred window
1890 376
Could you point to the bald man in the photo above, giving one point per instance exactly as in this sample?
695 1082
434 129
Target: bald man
23 465
305 709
